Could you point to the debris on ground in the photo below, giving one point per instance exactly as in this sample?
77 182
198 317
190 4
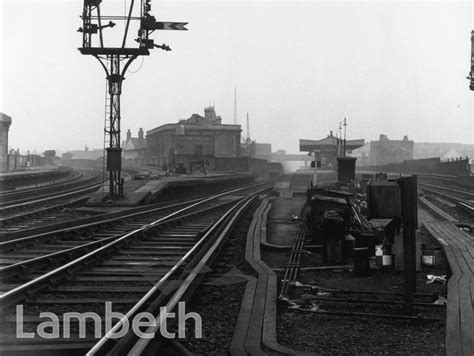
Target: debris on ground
432 278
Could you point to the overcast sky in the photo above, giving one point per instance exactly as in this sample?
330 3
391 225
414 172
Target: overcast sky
396 68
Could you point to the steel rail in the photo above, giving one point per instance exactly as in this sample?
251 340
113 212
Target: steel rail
28 265
17 293
15 198
112 217
463 203
228 220
433 208
4 221
294 262
92 222
8 194
45 198
37 262
12 296
460 191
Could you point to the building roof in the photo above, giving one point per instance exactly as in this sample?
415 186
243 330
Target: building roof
329 142
210 122
183 127
134 143
5 118
90 154
384 139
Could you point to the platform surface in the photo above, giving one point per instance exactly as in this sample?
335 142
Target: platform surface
139 191
458 246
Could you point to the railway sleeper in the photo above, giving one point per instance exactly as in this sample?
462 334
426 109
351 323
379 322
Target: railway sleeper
145 275
98 289
141 259
112 279
75 301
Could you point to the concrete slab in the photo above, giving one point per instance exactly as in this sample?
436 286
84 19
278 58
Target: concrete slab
152 185
100 209
135 198
280 229
142 191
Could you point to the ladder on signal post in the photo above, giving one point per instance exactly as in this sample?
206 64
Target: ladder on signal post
106 137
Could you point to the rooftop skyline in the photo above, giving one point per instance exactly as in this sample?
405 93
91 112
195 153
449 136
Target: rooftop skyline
393 68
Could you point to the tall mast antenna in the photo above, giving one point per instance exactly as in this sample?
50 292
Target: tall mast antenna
344 155
248 140
235 105
115 60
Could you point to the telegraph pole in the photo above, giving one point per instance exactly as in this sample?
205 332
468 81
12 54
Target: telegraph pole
315 172
115 60
344 154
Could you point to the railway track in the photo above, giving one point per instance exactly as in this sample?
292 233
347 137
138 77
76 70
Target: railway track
22 195
59 244
32 210
157 264
463 198
22 256
26 198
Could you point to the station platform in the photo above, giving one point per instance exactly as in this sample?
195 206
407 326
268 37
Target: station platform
30 172
297 183
146 191
37 175
458 247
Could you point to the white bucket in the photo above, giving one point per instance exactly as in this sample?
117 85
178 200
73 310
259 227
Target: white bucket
386 260
428 260
378 255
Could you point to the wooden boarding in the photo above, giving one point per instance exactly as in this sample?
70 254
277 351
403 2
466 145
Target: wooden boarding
458 246
256 324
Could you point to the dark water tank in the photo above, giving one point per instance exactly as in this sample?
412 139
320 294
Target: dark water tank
345 169
383 200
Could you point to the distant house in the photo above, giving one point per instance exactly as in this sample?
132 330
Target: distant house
87 154
5 122
257 150
451 154
386 151
134 147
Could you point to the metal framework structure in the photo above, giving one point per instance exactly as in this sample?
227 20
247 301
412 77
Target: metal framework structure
115 61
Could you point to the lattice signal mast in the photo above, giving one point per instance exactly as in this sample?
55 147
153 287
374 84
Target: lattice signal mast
115 61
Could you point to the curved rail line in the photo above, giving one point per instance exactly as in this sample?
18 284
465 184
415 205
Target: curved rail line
25 200
61 185
171 251
22 256
29 211
452 194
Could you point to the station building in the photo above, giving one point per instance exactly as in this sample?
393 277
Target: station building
329 148
385 151
5 122
194 139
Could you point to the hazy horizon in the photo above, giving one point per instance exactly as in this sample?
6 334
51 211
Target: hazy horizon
395 68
